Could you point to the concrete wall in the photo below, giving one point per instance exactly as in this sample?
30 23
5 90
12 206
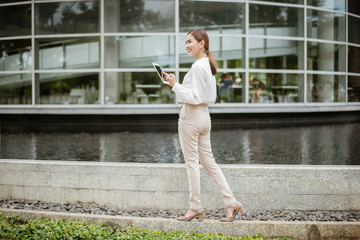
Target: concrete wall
164 186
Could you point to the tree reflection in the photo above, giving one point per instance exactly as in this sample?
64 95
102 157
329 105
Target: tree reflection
131 12
15 20
136 16
69 17
211 15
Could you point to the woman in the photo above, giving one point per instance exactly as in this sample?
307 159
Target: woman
196 93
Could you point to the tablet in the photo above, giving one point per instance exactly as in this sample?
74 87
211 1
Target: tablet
159 72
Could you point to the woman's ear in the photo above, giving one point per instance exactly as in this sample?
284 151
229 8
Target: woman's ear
202 43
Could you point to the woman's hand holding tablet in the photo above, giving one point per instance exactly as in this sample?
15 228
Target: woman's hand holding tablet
160 73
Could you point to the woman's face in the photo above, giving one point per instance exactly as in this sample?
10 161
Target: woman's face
193 46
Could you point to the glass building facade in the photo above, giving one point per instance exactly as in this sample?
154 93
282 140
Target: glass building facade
99 53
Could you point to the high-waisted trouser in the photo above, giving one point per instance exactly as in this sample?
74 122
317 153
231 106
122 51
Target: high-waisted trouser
194 136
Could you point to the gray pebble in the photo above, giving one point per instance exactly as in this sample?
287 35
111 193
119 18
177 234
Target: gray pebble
276 215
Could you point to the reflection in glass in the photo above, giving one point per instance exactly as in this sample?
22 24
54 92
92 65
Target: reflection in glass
139 51
276 54
15 89
136 88
326 25
276 88
353 89
68 88
15 20
338 5
354 59
326 57
15 55
67 17
11 1
326 88
284 1
354 26
354 6
220 16
139 16
228 51
283 21
68 53
230 87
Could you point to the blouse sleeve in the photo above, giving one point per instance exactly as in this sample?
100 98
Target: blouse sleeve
196 92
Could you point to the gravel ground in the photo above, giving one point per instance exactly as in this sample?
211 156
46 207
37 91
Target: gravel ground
349 216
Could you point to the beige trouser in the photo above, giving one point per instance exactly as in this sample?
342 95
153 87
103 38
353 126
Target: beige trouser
194 136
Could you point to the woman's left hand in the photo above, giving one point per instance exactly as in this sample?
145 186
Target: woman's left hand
170 78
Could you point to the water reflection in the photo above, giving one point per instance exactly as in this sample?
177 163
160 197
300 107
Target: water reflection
324 145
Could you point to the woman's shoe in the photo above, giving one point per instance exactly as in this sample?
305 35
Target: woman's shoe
238 208
198 213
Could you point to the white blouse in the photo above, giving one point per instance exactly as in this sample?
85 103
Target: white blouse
199 85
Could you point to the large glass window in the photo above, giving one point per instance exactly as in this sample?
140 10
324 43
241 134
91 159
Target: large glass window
353 89
276 54
15 55
354 26
15 20
338 5
228 51
140 32
326 25
136 88
326 57
276 20
15 88
354 59
276 88
68 88
326 88
68 53
139 16
139 51
223 17
67 17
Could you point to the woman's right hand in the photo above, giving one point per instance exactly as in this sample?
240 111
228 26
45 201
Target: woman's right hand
170 78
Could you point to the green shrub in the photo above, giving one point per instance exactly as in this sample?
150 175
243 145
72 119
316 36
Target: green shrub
18 228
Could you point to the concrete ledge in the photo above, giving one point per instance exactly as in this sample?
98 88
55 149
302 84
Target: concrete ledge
163 186
297 230
174 108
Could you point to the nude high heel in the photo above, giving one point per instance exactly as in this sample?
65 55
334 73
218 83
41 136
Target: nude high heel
238 208
198 213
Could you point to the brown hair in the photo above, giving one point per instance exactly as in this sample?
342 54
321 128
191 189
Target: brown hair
200 34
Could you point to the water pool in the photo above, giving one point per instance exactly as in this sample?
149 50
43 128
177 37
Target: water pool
313 145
